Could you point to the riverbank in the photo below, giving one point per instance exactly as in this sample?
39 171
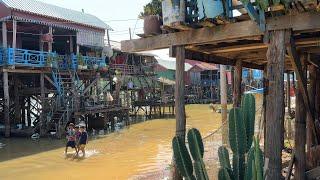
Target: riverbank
140 150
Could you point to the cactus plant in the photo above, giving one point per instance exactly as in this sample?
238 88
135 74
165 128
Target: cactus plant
224 157
248 107
182 157
196 149
241 135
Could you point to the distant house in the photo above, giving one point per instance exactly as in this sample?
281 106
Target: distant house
166 69
32 27
202 73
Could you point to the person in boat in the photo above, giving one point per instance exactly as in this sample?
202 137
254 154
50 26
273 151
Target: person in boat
83 141
70 137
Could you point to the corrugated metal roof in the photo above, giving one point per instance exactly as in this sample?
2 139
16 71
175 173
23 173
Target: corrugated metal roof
49 10
202 65
172 64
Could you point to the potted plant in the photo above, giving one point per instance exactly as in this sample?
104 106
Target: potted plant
49 61
80 62
152 13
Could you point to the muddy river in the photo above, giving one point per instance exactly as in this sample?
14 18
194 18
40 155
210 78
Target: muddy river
132 153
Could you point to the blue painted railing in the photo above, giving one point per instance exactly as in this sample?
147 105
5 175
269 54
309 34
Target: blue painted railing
31 58
88 61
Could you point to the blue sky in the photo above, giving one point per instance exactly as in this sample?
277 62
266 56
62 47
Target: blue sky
119 14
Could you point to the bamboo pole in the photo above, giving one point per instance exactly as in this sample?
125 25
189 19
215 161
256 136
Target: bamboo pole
4 34
42 97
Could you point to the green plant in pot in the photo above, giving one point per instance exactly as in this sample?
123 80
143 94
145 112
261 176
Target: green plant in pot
80 61
50 59
241 136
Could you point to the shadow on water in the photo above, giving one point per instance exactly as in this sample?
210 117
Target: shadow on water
13 148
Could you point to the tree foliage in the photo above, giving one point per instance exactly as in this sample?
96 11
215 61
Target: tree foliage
152 8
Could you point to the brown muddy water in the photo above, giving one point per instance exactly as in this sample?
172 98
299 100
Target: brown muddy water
130 153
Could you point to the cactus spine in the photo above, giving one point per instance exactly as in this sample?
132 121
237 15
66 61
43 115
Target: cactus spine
182 157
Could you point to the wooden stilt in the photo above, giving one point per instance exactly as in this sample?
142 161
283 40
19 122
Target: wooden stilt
312 94
50 43
300 127
223 94
179 100
23 109
275 103
42 97
288 93
6 104
4 34
14 33
29 110
237 84
17 107
265 92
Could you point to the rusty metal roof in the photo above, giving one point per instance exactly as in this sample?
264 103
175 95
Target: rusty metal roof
203 66
49 10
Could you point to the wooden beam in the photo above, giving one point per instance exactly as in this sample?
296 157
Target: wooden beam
91 85
6 104
4 34
300 124
275 103
17 111
239 48
26 71
49 80
210 58
296 22
296 63
223 33
237 84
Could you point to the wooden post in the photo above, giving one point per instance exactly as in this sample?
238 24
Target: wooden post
29 110
223 95
108 38
6 104
312 95
23 108
237 84
288 94
78 48
14 33
71 44
265 92
40 41
42 97
300 128
179 100
4 34
50 43
275 103
17 111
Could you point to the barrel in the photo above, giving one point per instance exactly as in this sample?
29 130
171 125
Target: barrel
152 25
